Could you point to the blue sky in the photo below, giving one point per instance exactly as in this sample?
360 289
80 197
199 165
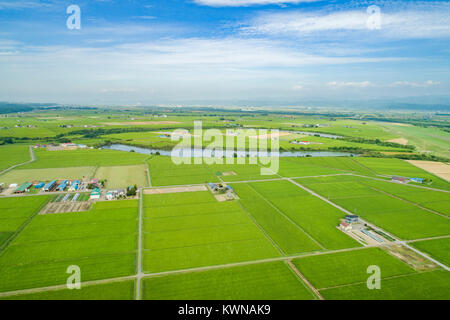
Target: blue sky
224 51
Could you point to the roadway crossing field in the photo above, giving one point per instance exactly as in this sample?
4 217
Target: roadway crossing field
277 241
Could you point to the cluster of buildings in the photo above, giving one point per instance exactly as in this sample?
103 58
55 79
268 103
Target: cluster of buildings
52 186
405 180
61 147
222 189
65 146
347 224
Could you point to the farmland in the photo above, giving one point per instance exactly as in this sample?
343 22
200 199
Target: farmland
396 216
266 281
280 236
49 244
83 158
123 176
17 154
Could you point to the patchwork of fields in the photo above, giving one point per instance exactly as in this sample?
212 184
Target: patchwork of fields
102 242
397 216
261 246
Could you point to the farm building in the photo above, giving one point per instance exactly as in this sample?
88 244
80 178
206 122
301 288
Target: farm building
344 226
213 186
351 219
62 186
50 186
40 185
95 194
417 180
400 179
114 194
371 235
305 143
75 185
24 188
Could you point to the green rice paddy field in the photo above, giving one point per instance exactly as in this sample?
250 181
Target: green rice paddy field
16 154
196 247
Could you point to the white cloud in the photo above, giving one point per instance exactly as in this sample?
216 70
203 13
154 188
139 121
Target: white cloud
426 84
362 84
416 21
246 3
14 5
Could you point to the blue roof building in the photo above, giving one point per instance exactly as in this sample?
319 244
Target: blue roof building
62 186
39 185
50 186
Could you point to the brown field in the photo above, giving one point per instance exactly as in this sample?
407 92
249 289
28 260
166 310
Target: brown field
439 169
401 141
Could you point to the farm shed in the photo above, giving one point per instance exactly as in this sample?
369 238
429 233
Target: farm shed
50 186
351 219
39 185
344 226
62 185
95 194
75 185
400 179
24 188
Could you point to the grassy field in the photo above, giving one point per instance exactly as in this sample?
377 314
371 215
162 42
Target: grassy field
16 154
267 281
110 291
438 249
282 206
396 216
102 242
337 269
424 139
15 212
420 286
434 200
21 176
123 176
83 158
206 240
397 167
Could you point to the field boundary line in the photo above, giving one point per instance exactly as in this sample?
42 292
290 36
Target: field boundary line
304 280
409 202
427 239
262 229
32 156
64 286
139 255
386 278
289 219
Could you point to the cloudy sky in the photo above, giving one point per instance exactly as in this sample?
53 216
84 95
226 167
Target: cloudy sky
219 51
